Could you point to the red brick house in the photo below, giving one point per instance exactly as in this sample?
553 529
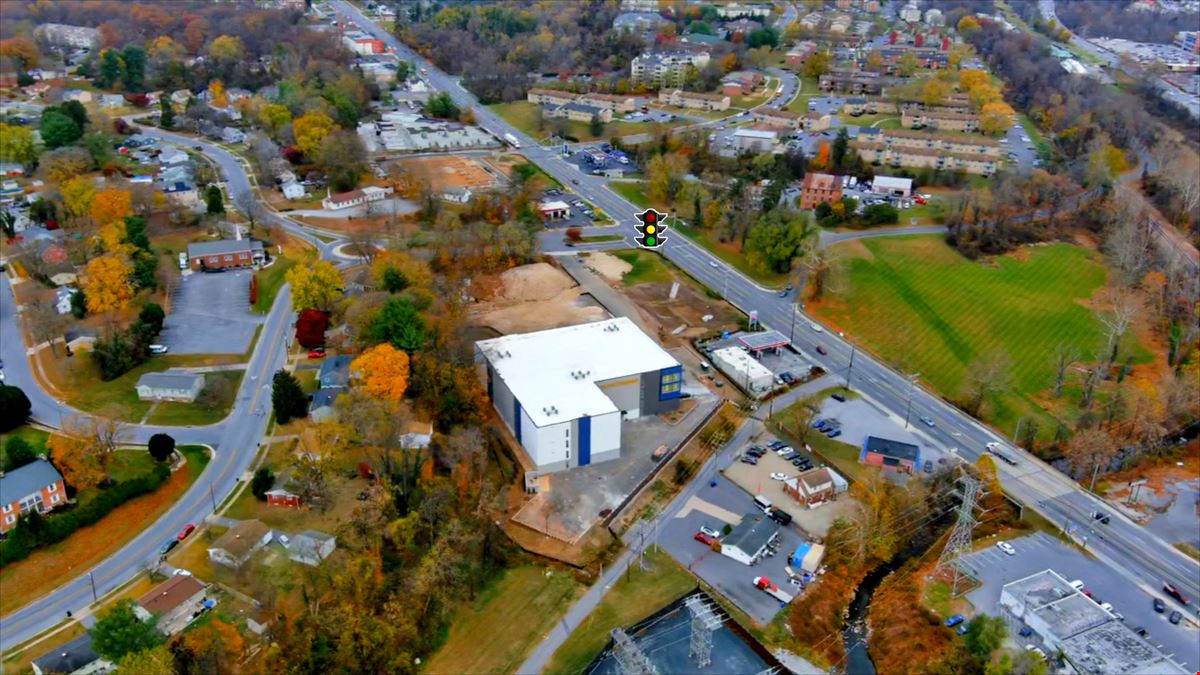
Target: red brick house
225 254
284 498
820 188
37 486
815 486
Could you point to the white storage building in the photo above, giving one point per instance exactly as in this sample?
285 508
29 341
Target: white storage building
893 187
745 372
564 392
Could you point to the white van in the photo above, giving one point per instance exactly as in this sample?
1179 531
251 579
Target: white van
183 260
763 503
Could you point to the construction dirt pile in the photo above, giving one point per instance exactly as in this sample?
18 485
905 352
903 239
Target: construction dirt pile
536 297
609 266
539 281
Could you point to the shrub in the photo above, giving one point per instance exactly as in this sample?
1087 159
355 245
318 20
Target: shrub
264 480
17 453
14 407
160 447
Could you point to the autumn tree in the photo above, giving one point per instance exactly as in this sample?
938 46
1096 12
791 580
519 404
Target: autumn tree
1090 451
968 24
995 117
17 144
106 283
78 194
77 465
216 94
988 374
153 661
214 647
663 176
120 631
227 49
65 163
382 371
394 271
315 286
779 237
342 155
22 50
310 130
934 91
818 64
109 209
1065 356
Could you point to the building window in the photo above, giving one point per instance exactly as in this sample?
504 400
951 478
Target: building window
54 499
8 508
228 258
53 487
10 520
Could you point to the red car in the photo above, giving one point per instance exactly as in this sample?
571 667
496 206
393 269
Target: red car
1170 590
705 539
316 353
919 200
188 529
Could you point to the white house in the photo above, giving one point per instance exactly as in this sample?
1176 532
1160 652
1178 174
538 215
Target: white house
344 200
170 386
172 156
456 195
311 547
563 393
232 135
293 190
749 539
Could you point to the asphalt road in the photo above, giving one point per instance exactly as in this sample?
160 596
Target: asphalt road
235 439
1140 555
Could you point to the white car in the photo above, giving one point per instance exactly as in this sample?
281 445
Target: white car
713 264
1077 584
157 349
783 450
993 445
1006 547
709 531
778 476
816 327
1024 139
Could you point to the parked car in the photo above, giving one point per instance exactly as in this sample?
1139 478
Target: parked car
841 398
1077 585
780 516
802 463
756 452
166 548
316 353
816 327
962 629
1174 593
775 475
776 444
709 531
819 423
955 620
1175 617
746 459
1159 605
928 466
704 538
158 349
1025 631
1006 547
792 454
187 529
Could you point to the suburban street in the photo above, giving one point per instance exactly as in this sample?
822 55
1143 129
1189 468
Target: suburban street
1141 556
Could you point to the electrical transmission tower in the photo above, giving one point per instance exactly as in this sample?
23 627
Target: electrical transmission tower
704 622
631 660
960 538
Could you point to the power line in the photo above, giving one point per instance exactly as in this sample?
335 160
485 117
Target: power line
959 542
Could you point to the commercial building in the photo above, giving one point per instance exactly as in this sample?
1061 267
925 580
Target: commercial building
1089 637
665 69
743 370
755 140
366 195
691 99
554 210
613 103
815 486
170 386
408 131
362 44
37 486
225 254
749 539
563 393
890 455
820 188
892 187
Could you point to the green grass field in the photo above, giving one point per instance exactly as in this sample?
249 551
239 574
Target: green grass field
270 280
523 116
928 310
495 632
648 268
630 600
809 88
36 438
632 190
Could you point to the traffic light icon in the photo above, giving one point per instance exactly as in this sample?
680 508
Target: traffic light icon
651 229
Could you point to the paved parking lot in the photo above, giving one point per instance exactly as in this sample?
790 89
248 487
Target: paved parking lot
860 419
756 479
1040 551
577 219
210 314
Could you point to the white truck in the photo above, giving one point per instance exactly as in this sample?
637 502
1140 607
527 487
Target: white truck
512 140
764 584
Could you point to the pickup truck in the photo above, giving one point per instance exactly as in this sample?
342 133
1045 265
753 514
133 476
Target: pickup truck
764 584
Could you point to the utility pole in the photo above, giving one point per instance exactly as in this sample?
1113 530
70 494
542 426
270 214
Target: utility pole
850 368
95 596
792 330
213 497
959 542
912 380
1017 433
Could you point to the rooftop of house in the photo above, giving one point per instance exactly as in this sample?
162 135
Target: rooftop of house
752 534
554 373
890 448
821 181
68 658
26 480
241 538
170 380
171 593
224 246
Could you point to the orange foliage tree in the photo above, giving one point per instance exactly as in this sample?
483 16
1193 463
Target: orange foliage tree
906 636
79 467
821 161
106 284
382 371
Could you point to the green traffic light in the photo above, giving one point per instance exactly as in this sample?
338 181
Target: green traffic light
651 241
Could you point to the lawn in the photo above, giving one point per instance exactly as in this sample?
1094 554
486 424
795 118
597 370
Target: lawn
32 435
270 280
632 598
933 312
880 121
758 98
48 567
599 238
185 414
842 456
648 267
809 89
495 632
635 193
21 661
523 116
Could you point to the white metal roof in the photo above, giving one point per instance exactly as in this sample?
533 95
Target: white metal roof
554 205
553 373
892 182
755 133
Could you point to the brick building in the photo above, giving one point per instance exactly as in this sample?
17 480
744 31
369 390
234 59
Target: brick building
820 188
37 486
225 254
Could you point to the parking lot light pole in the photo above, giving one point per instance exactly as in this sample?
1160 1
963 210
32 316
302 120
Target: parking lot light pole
850 368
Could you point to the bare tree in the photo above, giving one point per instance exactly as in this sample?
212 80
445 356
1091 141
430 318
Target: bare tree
1065 356
46 323
310 478
101 435
1117 321
362 245
1090 450
1090 380
987 374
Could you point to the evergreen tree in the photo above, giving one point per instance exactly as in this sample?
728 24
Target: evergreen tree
110 69
160 447
838 156
133 66
214 201
167 120
287 398
596 126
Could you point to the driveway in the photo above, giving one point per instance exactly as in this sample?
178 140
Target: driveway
210 314
1040 551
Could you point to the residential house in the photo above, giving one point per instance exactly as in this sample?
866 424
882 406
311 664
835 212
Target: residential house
233 135
666 69
320 408
173 603
225 254
820 188
172 157
366 195
456 194
281 496
335 372
815 486
749 538
79 337
755 140
293 190
240 542
81 95
75 657
811 21
111 101
579 112
688 99
854 106
778 117
37 486
890 455
637 22
170 386
840 23
311 547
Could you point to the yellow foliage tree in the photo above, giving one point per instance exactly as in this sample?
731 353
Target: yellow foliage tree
396 268
106 284
78 194
996 117
80 468
382 371
274 116
314 286
968 24
163 49
983 94
310 129
111 206
227 48
969 79
216 93
934 91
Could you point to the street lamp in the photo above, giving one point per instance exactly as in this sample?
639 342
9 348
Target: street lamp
912 380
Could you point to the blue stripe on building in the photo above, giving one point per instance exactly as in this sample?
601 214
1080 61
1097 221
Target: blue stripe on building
585 440
517 418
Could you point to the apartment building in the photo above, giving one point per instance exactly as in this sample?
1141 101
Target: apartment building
854 82
937 157
820 188
556 97
580 112
689 99
799 53
666 69
779 118
550 97
936 119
